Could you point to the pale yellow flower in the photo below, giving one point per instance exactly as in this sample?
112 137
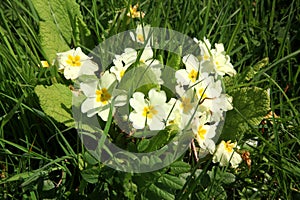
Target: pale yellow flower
225 153
133 13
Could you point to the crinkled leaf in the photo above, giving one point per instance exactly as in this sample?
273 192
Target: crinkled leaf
161 193
56 102
250 104
180 167
217 175
172 181
57 24
217 192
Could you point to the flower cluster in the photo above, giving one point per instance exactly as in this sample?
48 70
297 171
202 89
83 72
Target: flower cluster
198 104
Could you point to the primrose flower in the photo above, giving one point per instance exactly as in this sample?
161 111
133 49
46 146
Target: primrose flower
205 48
207 88
219 62
133 13
142 34
219 106
122 62
99 95
225 153
151 111
190 75
45 63
130 56
71 62
182 111
204 134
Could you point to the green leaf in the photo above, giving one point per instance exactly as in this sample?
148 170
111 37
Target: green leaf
172 181
250 104
217 192
217 175
161 138
174 60
161 193
89 158
91 175
56 102
57 24
180 167
228 178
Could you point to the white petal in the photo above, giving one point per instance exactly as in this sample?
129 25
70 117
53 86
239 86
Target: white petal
156 124
88 104
138 121
138 102
182 77
81 54
129 56
157 98
191 63
71 72
89 88
104 113
147 54
107 79
219 48
88 67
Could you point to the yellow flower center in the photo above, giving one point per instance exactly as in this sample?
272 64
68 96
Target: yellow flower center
102 96
122 72
149 111
193 75
201 93
74 61
140 37
205 57
186 104
172 122
201 132
229 146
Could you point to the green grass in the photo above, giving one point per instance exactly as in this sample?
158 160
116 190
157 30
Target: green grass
37 153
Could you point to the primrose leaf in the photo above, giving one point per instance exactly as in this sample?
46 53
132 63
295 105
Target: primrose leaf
180 167
56 102
161 193
172 181
91 175
250 104
57 24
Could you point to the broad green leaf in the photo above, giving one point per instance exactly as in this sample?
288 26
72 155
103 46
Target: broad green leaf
228 178
56 102
161 193
172 181
250 104
89 158
48 185
217 192
143 144
180 167
57 24
221 176
91 175
162 138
